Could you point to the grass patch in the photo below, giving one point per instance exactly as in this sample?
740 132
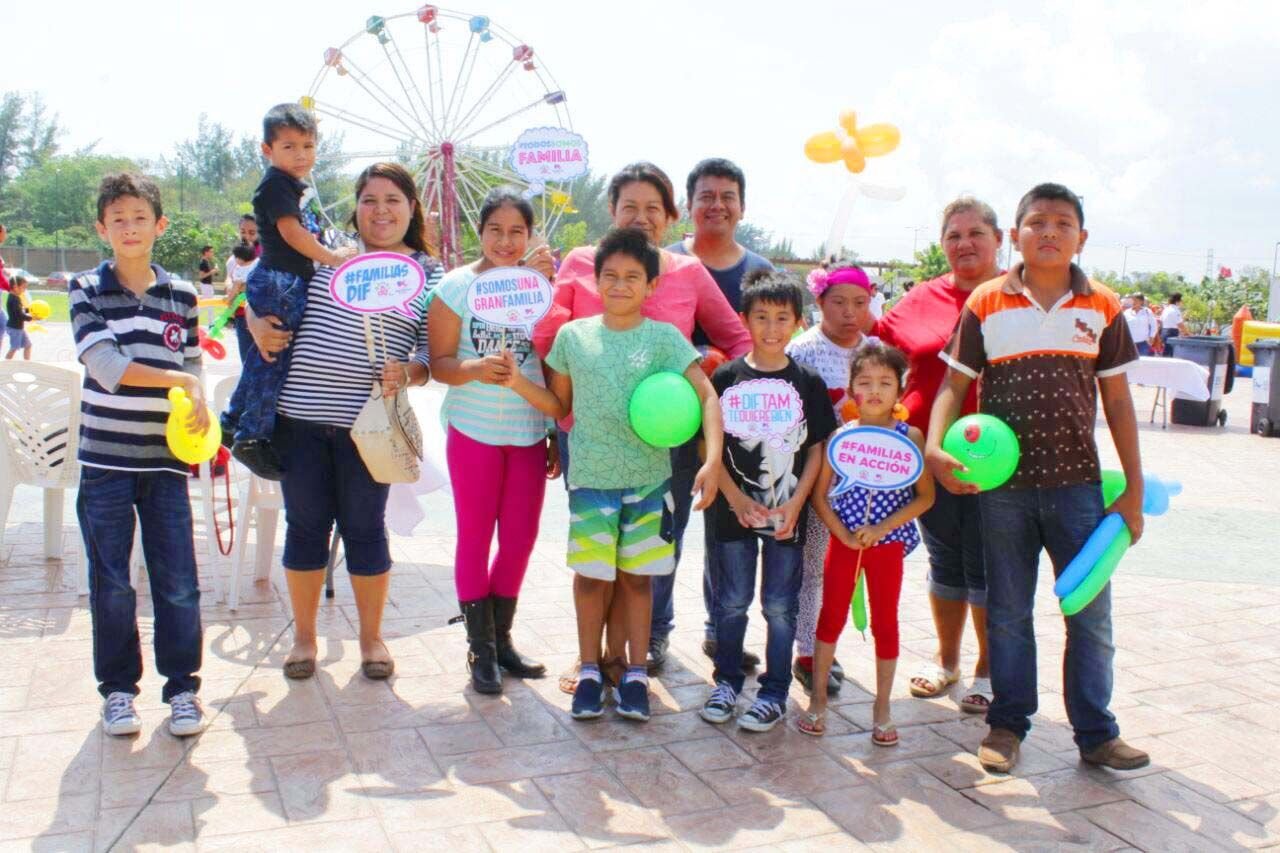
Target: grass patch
59 313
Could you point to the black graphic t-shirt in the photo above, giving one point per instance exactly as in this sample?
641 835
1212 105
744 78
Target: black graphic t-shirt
278 195
770 422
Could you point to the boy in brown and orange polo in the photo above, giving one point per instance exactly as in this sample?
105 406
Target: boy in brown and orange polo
1045 339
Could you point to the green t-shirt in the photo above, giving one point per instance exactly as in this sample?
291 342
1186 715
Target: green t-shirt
605 367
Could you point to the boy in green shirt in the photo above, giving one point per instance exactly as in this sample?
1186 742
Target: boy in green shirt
620 529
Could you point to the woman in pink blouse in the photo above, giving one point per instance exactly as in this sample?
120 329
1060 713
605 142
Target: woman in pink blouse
640 196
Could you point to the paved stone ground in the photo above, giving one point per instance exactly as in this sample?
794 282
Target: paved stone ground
421 762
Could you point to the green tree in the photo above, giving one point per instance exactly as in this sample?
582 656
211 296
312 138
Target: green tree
570 236
28 137
753 237
178 249
931 262
59 193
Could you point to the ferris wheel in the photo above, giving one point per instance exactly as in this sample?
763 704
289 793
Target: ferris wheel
446 94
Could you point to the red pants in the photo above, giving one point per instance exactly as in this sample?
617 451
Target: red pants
882 565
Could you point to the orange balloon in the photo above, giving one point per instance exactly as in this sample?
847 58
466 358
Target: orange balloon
849 121
823 147
853 157
849 411
876 140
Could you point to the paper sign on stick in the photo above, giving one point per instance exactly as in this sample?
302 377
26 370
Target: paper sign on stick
515 297
378 282
543 154
874 458
765 409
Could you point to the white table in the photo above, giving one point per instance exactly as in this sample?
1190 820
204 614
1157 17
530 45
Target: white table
1186 379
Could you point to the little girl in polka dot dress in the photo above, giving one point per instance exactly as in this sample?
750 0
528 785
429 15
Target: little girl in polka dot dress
881 535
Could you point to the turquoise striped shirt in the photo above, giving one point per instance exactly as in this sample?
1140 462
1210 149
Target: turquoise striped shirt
490 414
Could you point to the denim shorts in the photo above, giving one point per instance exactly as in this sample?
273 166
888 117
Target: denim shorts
18 338
952 531
325 482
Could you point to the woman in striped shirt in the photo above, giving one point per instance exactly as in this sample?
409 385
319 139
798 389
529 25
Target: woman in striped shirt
329 381
498 451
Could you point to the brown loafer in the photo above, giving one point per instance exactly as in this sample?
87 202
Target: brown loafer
999 751
1117 755
299 669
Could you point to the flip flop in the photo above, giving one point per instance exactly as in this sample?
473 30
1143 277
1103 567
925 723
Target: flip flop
568 682
300 669
936 679
978 697
886 735
813 724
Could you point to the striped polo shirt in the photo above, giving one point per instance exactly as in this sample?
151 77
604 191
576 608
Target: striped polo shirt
1039 370
122 426
330 377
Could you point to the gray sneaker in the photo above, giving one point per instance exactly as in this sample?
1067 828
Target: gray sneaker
720 705
186 717
119 717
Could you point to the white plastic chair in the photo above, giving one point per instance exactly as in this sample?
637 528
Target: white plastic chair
40 427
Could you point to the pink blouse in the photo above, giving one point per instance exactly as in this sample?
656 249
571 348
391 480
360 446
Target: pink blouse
686 295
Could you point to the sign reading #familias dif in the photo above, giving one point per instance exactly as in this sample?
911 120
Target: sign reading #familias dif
874 458
765 410
542 154
516 297
377 282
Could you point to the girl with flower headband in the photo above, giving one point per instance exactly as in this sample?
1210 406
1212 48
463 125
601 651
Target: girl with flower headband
844 295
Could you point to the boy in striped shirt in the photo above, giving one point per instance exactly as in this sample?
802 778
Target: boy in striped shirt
135 333
1045 341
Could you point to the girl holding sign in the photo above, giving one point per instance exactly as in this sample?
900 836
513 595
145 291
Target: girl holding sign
498 450
872 530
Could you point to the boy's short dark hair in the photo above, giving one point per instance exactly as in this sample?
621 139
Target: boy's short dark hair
242 251
249 217
18 280
1175 298
881 354
206 248
716 167
772 287
286 115
1048 192
124 185
633 243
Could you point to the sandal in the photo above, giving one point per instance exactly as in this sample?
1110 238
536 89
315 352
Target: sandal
978 697
378 670
886 735
813 724
299 669
568 682
936 680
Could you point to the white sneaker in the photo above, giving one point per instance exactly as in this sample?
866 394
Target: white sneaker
119 717
186 717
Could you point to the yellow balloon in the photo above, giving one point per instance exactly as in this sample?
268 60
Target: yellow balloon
876 140
189 447
849 121
40 309
823 147
854 160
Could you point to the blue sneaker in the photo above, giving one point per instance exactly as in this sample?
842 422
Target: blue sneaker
588 699
633 700
763 715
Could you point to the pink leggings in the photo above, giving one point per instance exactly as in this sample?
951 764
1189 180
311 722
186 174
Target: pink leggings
494 485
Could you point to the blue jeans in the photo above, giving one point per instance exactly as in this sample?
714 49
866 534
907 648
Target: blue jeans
1058 520
684 467
1144 348
735 586
244 340
105 506
952 532
283 295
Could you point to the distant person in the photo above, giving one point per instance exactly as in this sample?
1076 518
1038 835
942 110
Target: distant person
242 262
4 281
17 318
1143 325
249 233
207 269
286 213
1172 324
248 228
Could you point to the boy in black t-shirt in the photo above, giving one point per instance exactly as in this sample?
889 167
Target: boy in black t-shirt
17 317
288 221
207 269
777 417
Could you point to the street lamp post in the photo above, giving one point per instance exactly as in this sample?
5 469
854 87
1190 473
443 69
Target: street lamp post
1273 301
1124 266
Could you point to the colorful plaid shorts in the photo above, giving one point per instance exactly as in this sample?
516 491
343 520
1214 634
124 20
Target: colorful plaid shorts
629 530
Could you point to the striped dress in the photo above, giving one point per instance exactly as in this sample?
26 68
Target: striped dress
330 376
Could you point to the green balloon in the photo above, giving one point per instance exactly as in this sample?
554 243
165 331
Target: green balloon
1098 576
986 447
858 607
665 410
1113 484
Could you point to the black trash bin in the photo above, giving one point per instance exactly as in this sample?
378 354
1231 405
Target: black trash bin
1217 355
1264 417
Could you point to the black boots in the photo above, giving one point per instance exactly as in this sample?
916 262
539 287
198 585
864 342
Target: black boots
482 652
504 614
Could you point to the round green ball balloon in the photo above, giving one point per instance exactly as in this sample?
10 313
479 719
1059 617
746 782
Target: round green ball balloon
986 447
665 410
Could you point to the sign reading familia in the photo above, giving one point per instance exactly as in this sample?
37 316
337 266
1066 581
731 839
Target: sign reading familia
542 154
764 409
515 297
874 458
377 282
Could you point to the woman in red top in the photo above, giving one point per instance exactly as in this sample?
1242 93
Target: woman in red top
920 325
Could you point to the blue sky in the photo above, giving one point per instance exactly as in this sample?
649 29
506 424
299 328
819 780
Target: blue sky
1162 115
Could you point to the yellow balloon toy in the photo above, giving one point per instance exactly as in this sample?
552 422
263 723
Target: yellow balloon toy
852 144
191 448
40 310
